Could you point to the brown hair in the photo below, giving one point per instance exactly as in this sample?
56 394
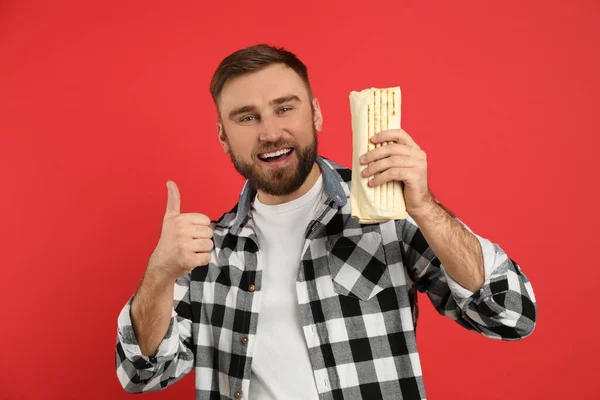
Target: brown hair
252 59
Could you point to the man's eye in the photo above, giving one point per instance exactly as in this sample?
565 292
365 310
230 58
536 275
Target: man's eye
248 118
284 109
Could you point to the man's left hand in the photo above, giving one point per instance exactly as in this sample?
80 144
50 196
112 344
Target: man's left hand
400 160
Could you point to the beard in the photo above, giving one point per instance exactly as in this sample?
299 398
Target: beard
280 181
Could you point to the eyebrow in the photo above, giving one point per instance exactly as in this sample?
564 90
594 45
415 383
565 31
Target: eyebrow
275 102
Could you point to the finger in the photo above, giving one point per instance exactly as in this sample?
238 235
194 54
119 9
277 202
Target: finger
392 174
386 151
394 135
200 232
201 259
389 162
201 245
197 260
197 219
173 199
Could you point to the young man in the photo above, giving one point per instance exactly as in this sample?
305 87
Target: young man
287 296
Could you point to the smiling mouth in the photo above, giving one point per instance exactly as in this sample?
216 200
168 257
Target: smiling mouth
275 155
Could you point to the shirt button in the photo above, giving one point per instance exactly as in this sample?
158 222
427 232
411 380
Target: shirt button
245 339
251 287
238 394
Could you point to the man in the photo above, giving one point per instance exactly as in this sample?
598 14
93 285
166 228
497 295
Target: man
288 297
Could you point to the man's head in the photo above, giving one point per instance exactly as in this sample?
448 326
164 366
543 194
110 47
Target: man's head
265 105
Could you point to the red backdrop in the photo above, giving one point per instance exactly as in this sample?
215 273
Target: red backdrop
101 103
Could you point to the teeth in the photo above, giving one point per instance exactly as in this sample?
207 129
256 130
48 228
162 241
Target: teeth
276 153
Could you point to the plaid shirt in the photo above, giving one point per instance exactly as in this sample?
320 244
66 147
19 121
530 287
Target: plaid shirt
357 293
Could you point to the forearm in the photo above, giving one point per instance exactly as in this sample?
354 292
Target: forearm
457 249
151 311
153 344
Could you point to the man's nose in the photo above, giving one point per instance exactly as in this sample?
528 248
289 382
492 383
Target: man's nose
271 130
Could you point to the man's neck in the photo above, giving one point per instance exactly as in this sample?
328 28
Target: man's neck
306 186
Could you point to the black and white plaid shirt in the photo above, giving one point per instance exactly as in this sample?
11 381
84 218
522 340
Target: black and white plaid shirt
357 293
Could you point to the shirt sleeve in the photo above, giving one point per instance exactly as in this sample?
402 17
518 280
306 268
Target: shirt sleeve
174 358
504 307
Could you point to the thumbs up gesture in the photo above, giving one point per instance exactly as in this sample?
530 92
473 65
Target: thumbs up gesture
185 240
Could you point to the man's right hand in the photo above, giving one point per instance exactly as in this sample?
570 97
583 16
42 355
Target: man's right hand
185 240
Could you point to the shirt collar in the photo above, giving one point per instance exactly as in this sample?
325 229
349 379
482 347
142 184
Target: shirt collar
331 186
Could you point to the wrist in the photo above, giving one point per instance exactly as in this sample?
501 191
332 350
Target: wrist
429 208
158 272
159 277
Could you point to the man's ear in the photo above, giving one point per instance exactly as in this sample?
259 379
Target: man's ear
317 115
222 137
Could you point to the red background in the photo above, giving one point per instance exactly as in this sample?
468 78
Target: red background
101 103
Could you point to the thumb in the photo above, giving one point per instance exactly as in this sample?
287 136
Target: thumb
174 199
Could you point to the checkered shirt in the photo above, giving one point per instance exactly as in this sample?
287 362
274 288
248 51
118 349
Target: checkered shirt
357 293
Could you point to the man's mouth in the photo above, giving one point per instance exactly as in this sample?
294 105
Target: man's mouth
276 155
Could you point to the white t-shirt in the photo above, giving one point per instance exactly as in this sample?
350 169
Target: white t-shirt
281 368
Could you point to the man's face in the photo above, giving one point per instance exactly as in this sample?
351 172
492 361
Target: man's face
269 127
